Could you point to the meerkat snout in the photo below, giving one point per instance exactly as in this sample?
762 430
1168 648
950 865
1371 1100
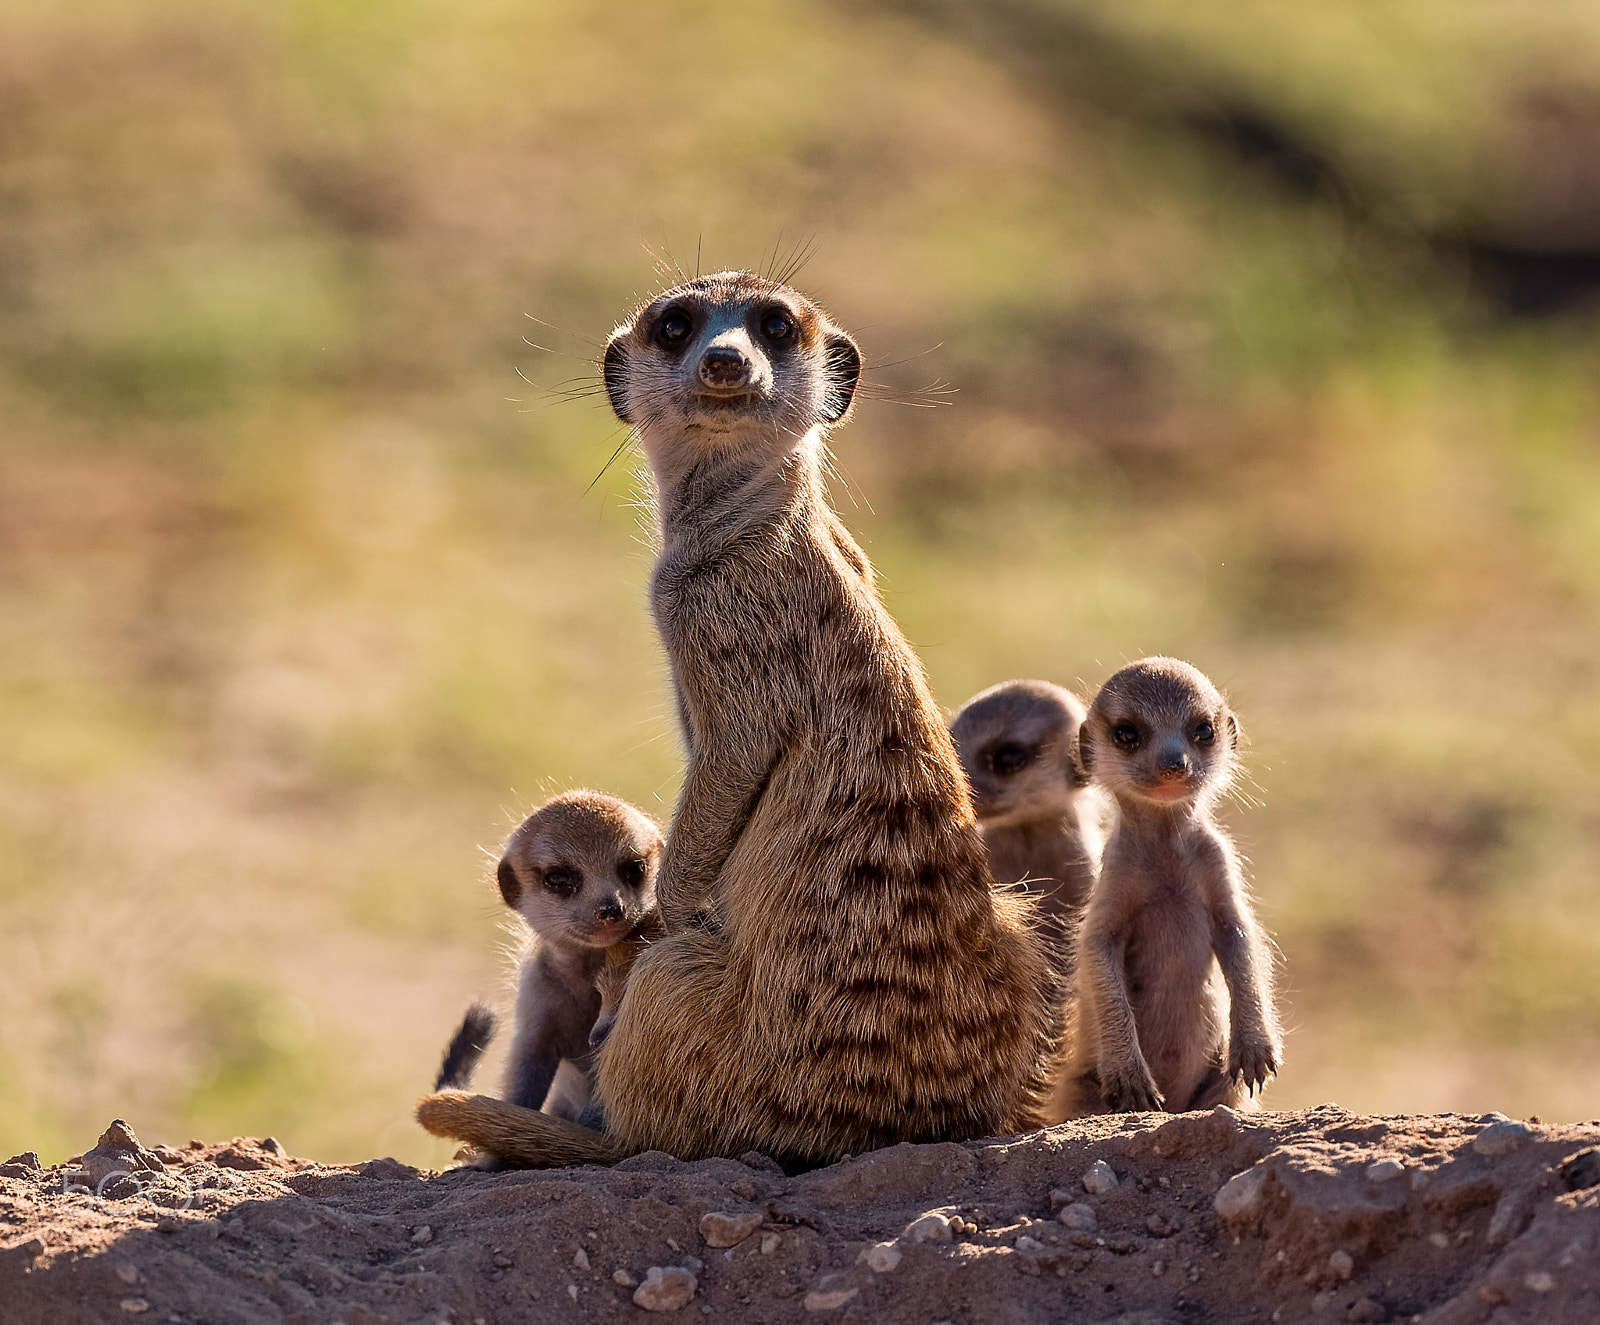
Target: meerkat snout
725 368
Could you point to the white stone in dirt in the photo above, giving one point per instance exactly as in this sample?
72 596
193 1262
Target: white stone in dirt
1240 1194
831 1293
770 1242
1439 1240
572 1291
1099 1178
1539 1281
1080 1218
134 1306
129 1274
665 1288
931 1227
1384 1170
1029 1246
580 1258
422 1234
881 1257
1502 1138
728 1228
1341 1264
1060 1196
623 1279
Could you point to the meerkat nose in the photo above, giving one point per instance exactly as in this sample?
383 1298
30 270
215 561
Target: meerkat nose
723 367
610 909
1173 762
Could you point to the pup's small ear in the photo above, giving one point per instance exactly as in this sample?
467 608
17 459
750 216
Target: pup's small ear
1085 760
1077 771
843 363
614 368
510 885
1235 732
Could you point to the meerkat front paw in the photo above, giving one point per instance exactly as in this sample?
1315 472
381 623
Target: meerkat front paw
1130 1089
1252 1061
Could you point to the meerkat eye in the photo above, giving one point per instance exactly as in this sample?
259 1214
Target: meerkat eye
1204 734
1009 759
777 325
674 329
1126 735
563 882
631 872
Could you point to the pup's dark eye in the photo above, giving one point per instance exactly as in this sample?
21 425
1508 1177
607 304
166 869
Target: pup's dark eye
1009 759
563 882
674 329
632 872
1126 735
777 326
1204 734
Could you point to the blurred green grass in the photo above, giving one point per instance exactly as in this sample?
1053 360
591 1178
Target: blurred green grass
313 577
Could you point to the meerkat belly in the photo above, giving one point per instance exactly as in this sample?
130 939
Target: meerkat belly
1171 987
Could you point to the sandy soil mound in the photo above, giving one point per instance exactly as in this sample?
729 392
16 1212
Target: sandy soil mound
1140 1219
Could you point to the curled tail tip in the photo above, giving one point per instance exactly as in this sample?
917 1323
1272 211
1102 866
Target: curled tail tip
466 1048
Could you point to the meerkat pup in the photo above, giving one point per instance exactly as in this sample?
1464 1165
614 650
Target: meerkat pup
1173 992
1018 743
581 873
839 971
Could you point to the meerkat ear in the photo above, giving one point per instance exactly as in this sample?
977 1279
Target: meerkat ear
510 885
614 369
1077 771
1235 732
1084 764
843 362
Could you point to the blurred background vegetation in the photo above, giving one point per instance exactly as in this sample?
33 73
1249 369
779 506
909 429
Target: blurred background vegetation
1272 342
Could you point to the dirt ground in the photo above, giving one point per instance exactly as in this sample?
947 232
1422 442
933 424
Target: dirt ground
1320 1215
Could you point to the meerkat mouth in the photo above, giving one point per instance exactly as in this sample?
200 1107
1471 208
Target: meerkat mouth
1168 791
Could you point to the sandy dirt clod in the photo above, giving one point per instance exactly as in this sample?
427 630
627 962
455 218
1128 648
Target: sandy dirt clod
1320 1216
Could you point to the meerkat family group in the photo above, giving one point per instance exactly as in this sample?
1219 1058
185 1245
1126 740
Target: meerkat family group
862 926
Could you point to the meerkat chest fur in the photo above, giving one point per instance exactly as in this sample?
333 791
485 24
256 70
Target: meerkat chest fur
832 929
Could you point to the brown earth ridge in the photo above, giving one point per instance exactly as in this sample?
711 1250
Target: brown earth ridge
1138 1219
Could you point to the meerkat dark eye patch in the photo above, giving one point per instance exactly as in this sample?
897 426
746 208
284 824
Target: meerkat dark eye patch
1010 758
843 363
1127 737
777 326
674 328
1204 733
632 872
563 882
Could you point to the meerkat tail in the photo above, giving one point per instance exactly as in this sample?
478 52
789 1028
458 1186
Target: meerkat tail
466 1048
522 1138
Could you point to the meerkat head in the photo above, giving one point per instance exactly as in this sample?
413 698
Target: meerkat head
730 358
1159 733
1018 743
582 869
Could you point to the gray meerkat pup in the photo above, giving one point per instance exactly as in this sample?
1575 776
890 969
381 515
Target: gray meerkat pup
1018 743
1173 993
581 872
839 971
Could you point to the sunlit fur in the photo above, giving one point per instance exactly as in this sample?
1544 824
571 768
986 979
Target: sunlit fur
839 970
1018 743
1173 994
612 851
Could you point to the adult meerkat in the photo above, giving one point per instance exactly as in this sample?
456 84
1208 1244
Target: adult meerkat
839 971
581 872
1173 992
1018 742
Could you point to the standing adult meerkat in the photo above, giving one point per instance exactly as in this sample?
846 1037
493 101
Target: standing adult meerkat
1018 742
839 971
581 872
1173 993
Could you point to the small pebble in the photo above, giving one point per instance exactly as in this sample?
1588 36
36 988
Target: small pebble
1080 1217
272 1145
1161 1226
881 1257
744 1190
1439 1240
1059 1197
129 1274
1341 1264
1240 1194
1385 1170
728 1228
502 1261
623 1279
422 1235
1158 1269
931 1227
134 1306
167 1224
1539 1281
770 1242
1365 1311
28 1159
1502 1138
1029 1246
1164 1183
665 1288
1099 1178
581 1259
831 1293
